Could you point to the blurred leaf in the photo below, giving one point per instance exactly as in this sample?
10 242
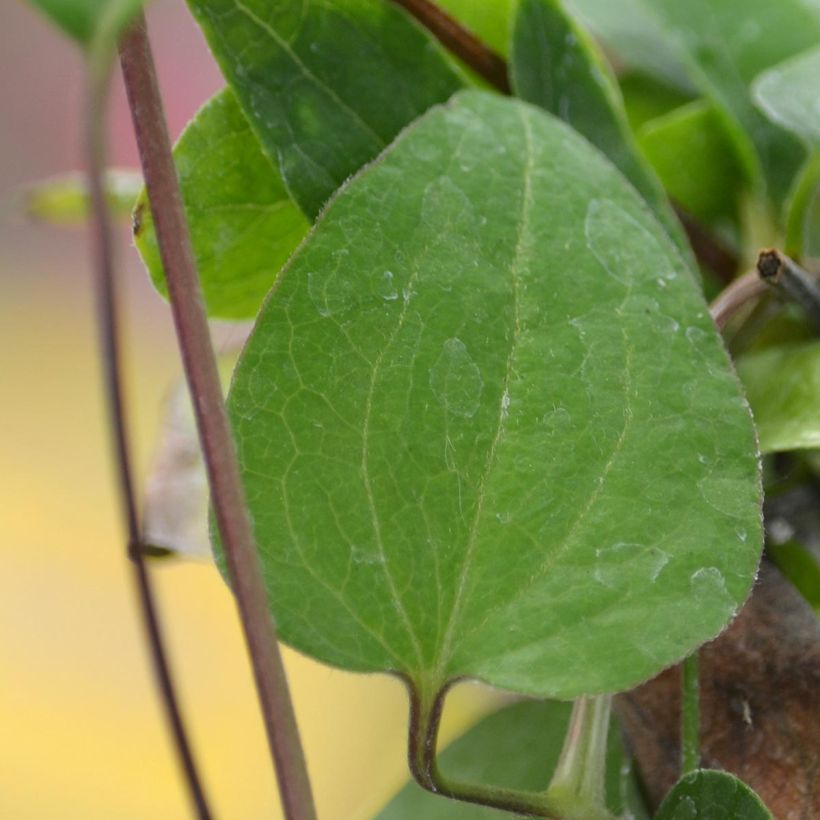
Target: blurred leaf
712 795
645 98
800 567
728 44
557 66
325 86
689 150
517 748
94 24
485 351
64 200
489 21
783 387
243 223
636 35
788 94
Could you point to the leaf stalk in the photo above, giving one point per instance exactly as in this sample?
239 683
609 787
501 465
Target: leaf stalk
690 715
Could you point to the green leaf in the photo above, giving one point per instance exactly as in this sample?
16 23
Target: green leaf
800 566
728 44
632 30
783 386
490 22
517 748
93 23
64 200
689 150
712 795
242 221
486 425
325 85
557 66
789 96
646 98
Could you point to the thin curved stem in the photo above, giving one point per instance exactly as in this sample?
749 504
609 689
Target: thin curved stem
105 288
227 492
740 293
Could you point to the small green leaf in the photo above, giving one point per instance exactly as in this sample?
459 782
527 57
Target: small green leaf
517 748
557 66
242 221
727 45
689 150
325 85
789 96
646 98
783 386
93 23
712 795
800 566
486 425
64 200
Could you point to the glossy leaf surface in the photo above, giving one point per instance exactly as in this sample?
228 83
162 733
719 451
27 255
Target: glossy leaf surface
243 223
325 85
712 795
486 425
783 386
556 65
516 748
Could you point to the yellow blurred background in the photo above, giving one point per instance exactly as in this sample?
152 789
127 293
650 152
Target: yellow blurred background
82 734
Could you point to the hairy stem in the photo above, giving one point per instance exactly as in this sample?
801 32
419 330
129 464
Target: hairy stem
227 492
107 305
690 715
460 42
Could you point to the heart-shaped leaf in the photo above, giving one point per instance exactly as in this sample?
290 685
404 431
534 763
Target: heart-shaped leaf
325 85
516 748
486 425
556 65
243 223
712 795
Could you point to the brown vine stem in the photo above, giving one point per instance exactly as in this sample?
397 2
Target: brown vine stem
227 493
105 289
460 42
744 290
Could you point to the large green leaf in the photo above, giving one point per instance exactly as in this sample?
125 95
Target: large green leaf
325 84
557 66
486 425
712 795
728 44
783 386
243 223
690 152
517 748
93 23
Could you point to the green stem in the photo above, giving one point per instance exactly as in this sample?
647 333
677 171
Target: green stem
426 706
690 715
580 774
